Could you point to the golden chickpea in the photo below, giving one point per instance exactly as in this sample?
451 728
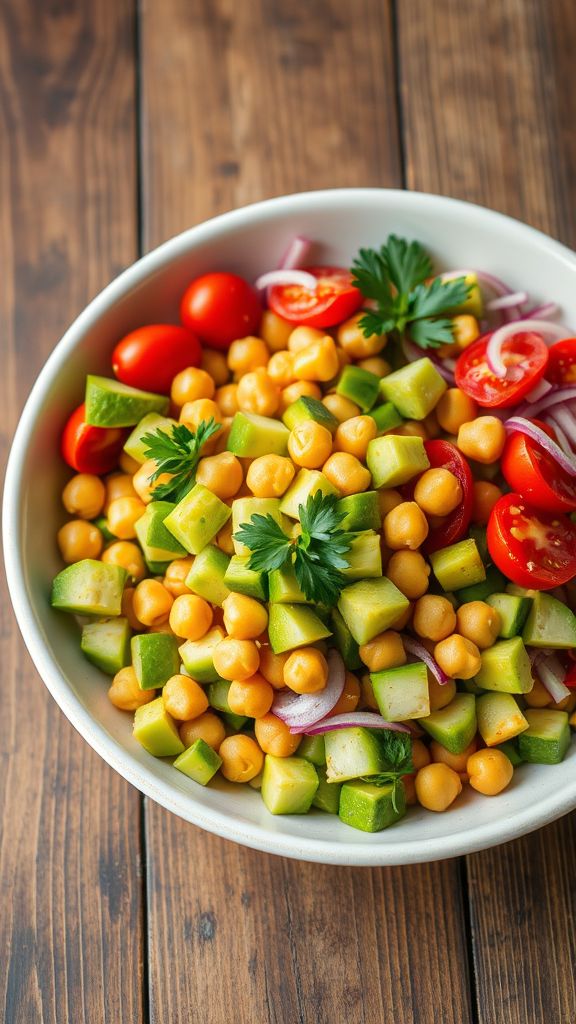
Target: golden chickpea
192 413
125 692
127 555
190 384
483 439
409 571
410 428
420 755
258 394
317 362
347 473
351 338
438 492
387 500
437 786
274 736
143 485
118 485
404 618
367 698
405 526
458 657
340 407
242 758
349 698
280 369
78 539
216 364
384 651
302 337
123 513
247 354
306 671
431 424
207 727
128 610
486 495
455 761
434 617
409 784
244 617
152 602
354 435
270 476
127 464
465 330
236 659
84 496
309 444
490 771
226 398
440 694
272 666
538 697
224 538
480 623
295 391
221 474
190 617
376 365
184 698
274 330
176 574
454 409
253 697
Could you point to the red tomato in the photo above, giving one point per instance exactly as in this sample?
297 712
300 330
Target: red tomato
445 455
526 354
570 678
532 548
334 300
150 357
529 470
562 362
91 449
220 307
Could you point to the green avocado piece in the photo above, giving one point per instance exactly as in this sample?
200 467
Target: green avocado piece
207 575
371 606
217 694
107 644
513 613
155 658
505 667
359 385
455 725
157 543
353 753
252 436
360 511
242 580
89 587
499 718
294 625
109 403
364 557
550 623
510 749
156 730
198 656
235 722
345 642
135 447
402 693
482 591
327 797
199 762
386 417
244 508
305 485
415 389
197 518
369 807
307 408
458 565
547 738
284 588
289 784
393 460
313 748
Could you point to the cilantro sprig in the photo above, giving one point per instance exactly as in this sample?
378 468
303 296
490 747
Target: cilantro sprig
316 555
177 453
395 277
396 751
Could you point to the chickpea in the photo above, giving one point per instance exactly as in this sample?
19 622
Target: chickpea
222 474
302 337
376 365
309 444
184 698
118 485
454 409
281 369
354 435
538 697
295 391
190 617
431 424
347 473
272 666
274 330
192 413
247 354
434 617
387 500
125 692
242 758
409 784
207 727
253 697
127 610
409 571
152 602
236 659
486 495
319 361
349 698
226 398
384 651
437 786
420 755
480 623
405 526
127 464
257 393
270 476
216 365
123 513
352 339
457 762
274 736
340 407
438 492
490 771
458 657
224 538
143 485
244 617
404 618
367 698
176 575
483 439
410 428
465 330
84 496
78 539
127 555
306 671
440 694
190 384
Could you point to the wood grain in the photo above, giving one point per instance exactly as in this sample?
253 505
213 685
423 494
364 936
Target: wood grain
488 117
253 100
70 924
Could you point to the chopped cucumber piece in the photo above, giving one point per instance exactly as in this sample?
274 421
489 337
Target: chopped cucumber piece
505 667
236 722
198 656
197 518
457 566
353 753
107 644
284 587
109 403
510 749
289 784
550 623
155 658
89 587
207 577
359 385
217 694
414 389
386 417
294 625
157 543
307 408
364 557
135 447
361 511
327 796
481 591
499 718
547 738
244 508
369 607
371 808
478 533
102 523
393 460
199 762
242 580
455 725
345 642
252 436
513 613
156 730
313 748
306 484
402 693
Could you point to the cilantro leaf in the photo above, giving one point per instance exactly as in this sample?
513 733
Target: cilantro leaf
408 263
269 546
430 333
177 453
437 297
370 275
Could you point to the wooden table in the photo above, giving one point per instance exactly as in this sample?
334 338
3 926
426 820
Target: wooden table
121 123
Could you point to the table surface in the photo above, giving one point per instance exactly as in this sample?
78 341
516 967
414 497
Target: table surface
121 123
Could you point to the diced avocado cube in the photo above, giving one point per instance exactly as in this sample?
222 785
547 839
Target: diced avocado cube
499 718
369 807
207 575
345 642
513 613
547 738
199 762
313 748
327 797
352 753
157 568
359 385
242 580
371 606
283 587
415 389
505 667
217 694
386 417
307 408
478 533
550 623
455 725
482 591
135 447
289 784
157 543
155 658
244 508
107 644
109 403
89 587
393 459
156 730
305 485
197 518
294 625
473 304
457 566
402 693
361 511
364 557
510 749
252 436
198 656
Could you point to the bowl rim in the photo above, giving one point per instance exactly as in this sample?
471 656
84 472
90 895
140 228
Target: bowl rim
253 835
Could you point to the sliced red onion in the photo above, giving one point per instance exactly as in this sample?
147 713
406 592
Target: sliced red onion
287 277
419 651
296 254
505 301
539 390
494 348
558 395
560 435
411 351
362 719
566 421
551 673
517 424
449 364
301 710
542 312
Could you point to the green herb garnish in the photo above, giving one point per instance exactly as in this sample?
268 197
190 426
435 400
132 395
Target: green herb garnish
396 748
178 454
394 277
316 554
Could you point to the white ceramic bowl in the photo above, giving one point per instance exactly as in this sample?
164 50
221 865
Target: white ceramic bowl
250 241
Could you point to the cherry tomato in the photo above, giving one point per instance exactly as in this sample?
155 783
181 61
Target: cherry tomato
91 449
529 470
150 357
532 548
334 300
220 307
445 455
526 355
562 362
570 678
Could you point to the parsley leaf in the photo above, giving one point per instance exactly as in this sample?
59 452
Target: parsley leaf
396 750
270 547
407 262
437 297
177 453
430 333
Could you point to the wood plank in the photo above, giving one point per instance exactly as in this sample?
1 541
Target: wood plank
488 117
71 922
258 99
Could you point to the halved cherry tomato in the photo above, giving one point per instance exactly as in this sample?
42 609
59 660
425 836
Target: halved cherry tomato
532 548
91 449
220 307
570 678
525 353
529 470
562 362
445 455
150 357
334 300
